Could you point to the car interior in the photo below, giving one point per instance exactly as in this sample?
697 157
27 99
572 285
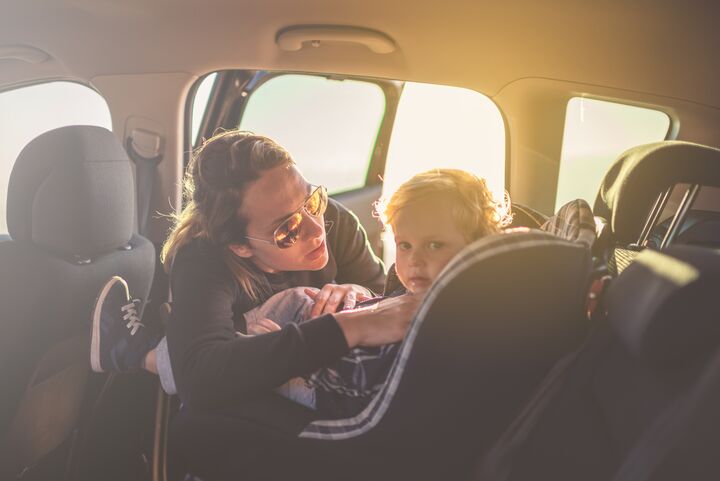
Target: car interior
579 343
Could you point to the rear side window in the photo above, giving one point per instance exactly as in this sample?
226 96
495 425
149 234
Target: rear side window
596 133
329 126
30 111
447 127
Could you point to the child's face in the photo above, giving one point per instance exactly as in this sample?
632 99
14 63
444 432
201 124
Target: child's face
426 239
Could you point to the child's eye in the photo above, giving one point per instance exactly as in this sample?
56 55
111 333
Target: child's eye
434 245
403 246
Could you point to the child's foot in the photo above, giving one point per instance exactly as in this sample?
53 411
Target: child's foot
120 341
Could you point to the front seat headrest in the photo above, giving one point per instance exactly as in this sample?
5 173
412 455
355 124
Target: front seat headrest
71 192
664 306
634 181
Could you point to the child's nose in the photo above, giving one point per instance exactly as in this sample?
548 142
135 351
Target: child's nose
417 258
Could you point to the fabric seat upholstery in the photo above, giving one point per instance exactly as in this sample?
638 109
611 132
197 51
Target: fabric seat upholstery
660 332
70 215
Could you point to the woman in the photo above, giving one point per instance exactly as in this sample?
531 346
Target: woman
253 226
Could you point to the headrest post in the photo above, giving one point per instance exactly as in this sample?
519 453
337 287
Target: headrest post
656 211
680 215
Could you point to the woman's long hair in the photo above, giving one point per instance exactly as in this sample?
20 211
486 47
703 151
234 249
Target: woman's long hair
214 185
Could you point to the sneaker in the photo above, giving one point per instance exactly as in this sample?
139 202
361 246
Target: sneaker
119 340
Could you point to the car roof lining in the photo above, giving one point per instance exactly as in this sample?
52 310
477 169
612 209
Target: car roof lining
664 48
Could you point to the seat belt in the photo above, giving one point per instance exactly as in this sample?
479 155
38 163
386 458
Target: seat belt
145 148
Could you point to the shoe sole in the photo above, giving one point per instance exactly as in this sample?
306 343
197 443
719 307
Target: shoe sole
97 314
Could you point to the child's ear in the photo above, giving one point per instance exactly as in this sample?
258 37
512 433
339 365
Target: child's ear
241 250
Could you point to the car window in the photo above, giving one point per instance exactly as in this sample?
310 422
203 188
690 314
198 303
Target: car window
27 112
362 138
596 133
441 126
329 126
200 102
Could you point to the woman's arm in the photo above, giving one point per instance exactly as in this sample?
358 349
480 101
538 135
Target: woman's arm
383 323
212 365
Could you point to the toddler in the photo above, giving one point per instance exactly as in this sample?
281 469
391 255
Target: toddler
433 216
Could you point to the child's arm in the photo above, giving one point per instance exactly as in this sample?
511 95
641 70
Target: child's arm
290 305
261 326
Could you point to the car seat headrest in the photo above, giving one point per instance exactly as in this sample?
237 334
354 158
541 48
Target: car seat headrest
664 307
634 181
71 192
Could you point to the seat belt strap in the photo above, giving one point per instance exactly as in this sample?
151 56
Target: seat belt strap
145 150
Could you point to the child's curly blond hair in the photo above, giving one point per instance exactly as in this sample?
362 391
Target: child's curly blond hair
474 212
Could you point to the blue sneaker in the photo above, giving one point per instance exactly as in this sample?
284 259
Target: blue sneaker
119 340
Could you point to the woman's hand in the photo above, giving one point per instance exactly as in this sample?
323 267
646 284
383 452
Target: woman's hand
262 326
332 297
382 323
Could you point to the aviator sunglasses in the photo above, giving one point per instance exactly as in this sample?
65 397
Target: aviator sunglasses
286 234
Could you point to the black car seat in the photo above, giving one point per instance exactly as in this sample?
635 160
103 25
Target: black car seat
638 183
498 318
70 213
682 442
597 402
660 332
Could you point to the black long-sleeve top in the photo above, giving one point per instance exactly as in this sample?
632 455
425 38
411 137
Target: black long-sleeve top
212 366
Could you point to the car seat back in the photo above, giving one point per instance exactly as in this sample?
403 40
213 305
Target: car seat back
660 330
497 319
70 215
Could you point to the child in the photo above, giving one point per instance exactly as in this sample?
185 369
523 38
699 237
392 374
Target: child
433 216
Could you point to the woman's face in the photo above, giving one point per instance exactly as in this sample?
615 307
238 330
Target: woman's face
267 202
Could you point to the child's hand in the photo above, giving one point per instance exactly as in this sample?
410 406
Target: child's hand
332 297
262 326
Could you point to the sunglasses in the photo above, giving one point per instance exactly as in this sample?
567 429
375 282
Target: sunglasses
287 233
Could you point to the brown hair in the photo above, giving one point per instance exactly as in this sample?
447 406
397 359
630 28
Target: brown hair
475 213
215 181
